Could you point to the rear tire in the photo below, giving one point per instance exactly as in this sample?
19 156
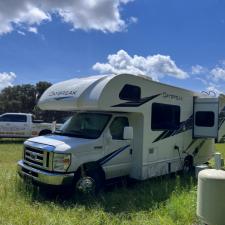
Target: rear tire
188 165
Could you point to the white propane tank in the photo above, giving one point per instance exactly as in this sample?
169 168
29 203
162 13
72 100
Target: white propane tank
211 197
199 168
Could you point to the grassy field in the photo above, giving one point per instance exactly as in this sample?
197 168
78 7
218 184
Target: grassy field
161 201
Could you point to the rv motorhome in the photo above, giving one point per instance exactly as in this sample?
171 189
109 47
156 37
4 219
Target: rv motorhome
123 125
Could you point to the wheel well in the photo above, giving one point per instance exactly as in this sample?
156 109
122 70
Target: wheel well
91 166
44 132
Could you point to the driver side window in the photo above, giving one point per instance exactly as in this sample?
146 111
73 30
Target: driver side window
117 126
2 118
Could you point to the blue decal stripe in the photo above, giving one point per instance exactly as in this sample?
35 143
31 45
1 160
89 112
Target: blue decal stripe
66 97
112 155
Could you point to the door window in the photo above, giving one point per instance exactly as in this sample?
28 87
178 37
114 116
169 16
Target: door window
204 118
117 127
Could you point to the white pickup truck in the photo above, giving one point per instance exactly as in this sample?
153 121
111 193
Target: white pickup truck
22 125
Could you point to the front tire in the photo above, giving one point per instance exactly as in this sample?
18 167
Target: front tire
92 183
98 178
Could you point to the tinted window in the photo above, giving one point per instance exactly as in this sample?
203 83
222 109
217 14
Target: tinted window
130 92
165 117
204 119
14 118
117 127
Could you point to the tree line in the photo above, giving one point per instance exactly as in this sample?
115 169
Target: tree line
24 98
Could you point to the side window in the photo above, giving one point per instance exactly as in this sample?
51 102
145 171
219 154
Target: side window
5 118
165 117
204 118
1 118
130 92
117 126
14 118
20 118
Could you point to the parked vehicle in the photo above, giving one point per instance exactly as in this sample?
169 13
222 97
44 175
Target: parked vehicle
22 125
122 125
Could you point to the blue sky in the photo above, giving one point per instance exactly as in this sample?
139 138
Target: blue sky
176 42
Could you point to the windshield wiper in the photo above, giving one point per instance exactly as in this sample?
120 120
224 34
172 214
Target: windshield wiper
78 134
68 134
62 133
57 132
74 133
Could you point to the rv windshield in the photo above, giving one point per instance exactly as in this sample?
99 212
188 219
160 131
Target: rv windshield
84 125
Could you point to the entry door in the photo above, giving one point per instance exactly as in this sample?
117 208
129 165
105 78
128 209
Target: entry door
206 112
118 151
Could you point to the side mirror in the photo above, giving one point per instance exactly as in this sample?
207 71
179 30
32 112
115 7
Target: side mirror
53 126
128 133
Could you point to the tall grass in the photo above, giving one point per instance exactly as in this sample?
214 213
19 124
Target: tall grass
161 201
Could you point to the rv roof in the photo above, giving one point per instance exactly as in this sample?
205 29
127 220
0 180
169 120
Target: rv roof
94 92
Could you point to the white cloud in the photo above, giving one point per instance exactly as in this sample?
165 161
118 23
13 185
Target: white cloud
197 69
33 30
6 79
19 13
156 66
213 78
81 14
204 81
21 32
133 20
218 73
213 89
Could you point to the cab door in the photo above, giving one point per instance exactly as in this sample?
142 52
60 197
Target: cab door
13 125
118 152
206 113
4 126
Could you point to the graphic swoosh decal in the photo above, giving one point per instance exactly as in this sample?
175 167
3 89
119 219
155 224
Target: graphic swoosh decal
113 154
136 103
65 97
183 126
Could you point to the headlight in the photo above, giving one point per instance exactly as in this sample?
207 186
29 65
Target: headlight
61 162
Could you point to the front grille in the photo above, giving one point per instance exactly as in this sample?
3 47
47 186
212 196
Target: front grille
36 157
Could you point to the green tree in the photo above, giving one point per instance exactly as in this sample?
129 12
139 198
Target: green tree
24 98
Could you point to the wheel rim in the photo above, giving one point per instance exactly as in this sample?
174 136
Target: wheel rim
86 185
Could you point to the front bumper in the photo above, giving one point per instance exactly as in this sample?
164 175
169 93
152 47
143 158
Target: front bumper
44 177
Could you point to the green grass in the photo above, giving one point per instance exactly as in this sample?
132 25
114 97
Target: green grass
221 148
159 201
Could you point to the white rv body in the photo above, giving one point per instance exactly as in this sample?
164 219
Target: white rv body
156 148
